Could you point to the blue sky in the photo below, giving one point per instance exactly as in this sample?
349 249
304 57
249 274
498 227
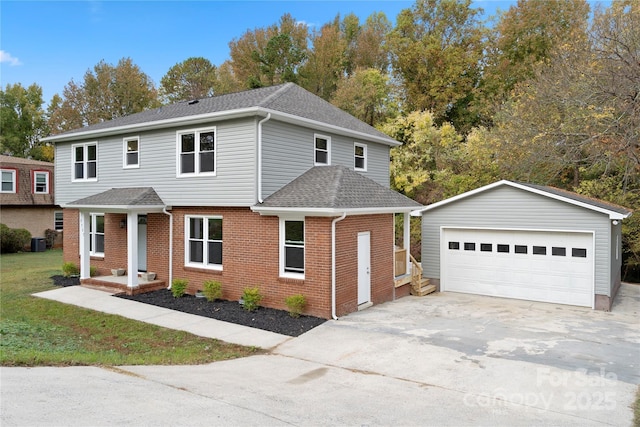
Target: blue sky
52 42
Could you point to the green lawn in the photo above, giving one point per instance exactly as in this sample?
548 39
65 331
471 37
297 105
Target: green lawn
38 332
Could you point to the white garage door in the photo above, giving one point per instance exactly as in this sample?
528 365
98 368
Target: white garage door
533 265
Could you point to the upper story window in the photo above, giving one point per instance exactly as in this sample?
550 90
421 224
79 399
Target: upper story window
41 182
359 157
292 248
322 150
85 162
203 242
131 157
9 182
197 152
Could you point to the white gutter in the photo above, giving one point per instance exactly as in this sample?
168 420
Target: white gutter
260 156
333 264
219 115
278 211
164 210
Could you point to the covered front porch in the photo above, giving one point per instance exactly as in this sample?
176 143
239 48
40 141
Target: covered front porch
100 240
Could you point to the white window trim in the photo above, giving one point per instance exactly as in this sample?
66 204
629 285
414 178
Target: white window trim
205 250
46 182
196 133
328 138
14 180
55 220
92 235
124 152
73 162
364 155
286 274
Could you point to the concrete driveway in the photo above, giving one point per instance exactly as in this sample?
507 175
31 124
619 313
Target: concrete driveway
445 359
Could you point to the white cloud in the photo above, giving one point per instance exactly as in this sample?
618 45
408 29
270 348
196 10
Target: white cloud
6 57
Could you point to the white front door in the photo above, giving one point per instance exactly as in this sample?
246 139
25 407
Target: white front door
364 267
142 243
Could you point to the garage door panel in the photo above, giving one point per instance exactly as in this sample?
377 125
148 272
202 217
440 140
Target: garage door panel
551 275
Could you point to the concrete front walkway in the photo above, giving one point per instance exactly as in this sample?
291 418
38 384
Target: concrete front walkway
104 301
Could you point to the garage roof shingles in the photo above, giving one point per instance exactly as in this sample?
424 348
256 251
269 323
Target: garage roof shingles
579 198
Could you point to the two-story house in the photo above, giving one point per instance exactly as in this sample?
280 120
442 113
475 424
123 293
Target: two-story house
272 187
26 196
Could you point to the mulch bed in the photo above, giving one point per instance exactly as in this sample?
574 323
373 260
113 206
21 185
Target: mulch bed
268 319
60 280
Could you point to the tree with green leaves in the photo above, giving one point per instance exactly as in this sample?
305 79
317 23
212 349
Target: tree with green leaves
272 55
523 39
428 152
23 122
107 92
366 94
190 79
326 59
436 48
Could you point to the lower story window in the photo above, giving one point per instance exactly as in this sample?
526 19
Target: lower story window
292 250
203 246
58 220
96 233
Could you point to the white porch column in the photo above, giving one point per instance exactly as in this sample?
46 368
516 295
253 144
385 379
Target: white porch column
406 238
85 256
132 249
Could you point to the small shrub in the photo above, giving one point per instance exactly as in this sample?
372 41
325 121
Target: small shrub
50 237
93 271
296 304
179 287
212 290
251 298
70 269
13 239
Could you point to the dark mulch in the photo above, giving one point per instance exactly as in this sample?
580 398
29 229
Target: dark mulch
59 280
268 319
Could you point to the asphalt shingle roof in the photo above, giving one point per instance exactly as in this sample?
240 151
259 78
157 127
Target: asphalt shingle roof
142 196
286 98
19 160
578 197
336 187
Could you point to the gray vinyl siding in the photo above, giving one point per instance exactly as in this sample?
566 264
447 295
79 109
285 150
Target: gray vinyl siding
616 253
288 152
510 208
233 185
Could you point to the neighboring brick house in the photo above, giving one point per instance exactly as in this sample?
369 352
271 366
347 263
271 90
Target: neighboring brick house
272 187
26 196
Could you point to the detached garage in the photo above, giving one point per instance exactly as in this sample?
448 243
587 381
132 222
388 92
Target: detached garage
525 241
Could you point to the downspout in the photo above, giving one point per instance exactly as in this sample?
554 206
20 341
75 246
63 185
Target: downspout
260 156
164 210
333 264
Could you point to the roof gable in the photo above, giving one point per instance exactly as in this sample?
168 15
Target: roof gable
335 189
287 102
613 211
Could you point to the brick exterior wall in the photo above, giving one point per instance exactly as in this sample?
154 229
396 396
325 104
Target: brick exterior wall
251 256
382 259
